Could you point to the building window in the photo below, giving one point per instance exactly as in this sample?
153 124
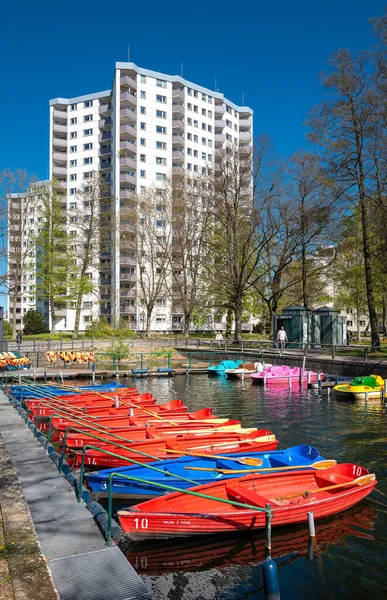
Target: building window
142 173
161 145
189 91
161 318
73 191
87 319
209 143
73 148
73 121
189 106
88 103
142 94
73 163
142 79
161 83
196 139
195 108
195 168
204 126
189 136
189 121
204 112
160 176
87 174
195 153
160 129
73 135
349 323
189 151
204 141
142 110
73 205
209 157
142 126
73 220
73 107
73 177
87 132
88 160
142 157
204 155
196 123
142 142
362 323
161 114
88 146
209 113
161 98
203 170
195 94
209 128
87 118
189 166
160 160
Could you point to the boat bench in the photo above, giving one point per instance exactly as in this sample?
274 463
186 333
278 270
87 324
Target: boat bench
165 370
242 494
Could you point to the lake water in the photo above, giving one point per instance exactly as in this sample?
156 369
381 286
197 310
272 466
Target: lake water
349 559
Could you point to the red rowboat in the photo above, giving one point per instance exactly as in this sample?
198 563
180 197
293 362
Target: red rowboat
290 495
260 441
78 440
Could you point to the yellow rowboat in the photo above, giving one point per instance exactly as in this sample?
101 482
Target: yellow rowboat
372 385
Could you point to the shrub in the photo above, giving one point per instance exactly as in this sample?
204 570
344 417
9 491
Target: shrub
33 322
103 329
7 330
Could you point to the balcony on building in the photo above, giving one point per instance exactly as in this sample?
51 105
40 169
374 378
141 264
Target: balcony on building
58 170
105 123
178 95
106 136
105 310
245 151
105 151
126 293
177 170
126 309
128 115
107 178
59 142
105 109
60 156
128 258
128 161
125 193
177 140
219 108
177 156
219 139
219 123
128 81
104 281
127 98
60 114
105 166
127 131
177 126
128 178
245 123
124 276
105 266
177 111
244 137
59 127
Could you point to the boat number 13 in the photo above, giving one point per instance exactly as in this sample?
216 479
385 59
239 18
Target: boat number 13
356 470
141 523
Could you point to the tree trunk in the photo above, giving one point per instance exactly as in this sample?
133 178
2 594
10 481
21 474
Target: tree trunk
148 322
375 340
238 320
384 314
53 317
78 314
187 318
229 316
358 325
303 258
14 301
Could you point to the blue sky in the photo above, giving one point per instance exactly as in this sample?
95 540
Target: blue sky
271 53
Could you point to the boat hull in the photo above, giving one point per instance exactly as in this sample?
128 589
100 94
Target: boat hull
181 515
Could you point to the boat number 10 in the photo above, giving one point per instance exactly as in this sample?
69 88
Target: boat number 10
357 470
141 523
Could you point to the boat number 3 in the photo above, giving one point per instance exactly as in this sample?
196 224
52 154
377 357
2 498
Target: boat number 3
103 485
310 450
141 523
357 470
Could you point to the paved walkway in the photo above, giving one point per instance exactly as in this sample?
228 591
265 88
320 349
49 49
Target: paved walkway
83 567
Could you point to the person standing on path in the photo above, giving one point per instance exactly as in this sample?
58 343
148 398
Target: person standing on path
282 338
19 338
219 338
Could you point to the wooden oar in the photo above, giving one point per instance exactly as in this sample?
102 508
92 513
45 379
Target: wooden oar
243 461
321 464
359 481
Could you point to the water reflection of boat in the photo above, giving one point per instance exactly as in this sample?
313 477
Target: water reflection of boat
158 557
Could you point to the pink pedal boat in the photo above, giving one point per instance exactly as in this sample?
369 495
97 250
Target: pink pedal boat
281 374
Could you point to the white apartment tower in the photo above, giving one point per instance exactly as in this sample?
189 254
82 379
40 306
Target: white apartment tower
146 127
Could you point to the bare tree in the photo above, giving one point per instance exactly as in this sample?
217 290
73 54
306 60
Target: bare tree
17 226
191 213
86 219
154 239
343 126
242 190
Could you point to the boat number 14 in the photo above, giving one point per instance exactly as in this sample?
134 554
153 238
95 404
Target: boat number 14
357 470
141 523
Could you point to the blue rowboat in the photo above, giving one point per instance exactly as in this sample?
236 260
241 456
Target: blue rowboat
130 490
221 368
39 391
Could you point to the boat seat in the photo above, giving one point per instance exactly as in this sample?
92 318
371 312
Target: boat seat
242 494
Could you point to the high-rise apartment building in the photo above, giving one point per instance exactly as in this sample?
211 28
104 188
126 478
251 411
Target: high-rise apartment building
146 127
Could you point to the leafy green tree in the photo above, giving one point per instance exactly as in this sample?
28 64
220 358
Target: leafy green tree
34 323
7 330
55 262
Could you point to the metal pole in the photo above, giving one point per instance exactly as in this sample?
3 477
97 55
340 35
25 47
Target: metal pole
290 383
268 530
110 509
190 360
365 354
169 360
312 530
93 372
116 401
333 352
